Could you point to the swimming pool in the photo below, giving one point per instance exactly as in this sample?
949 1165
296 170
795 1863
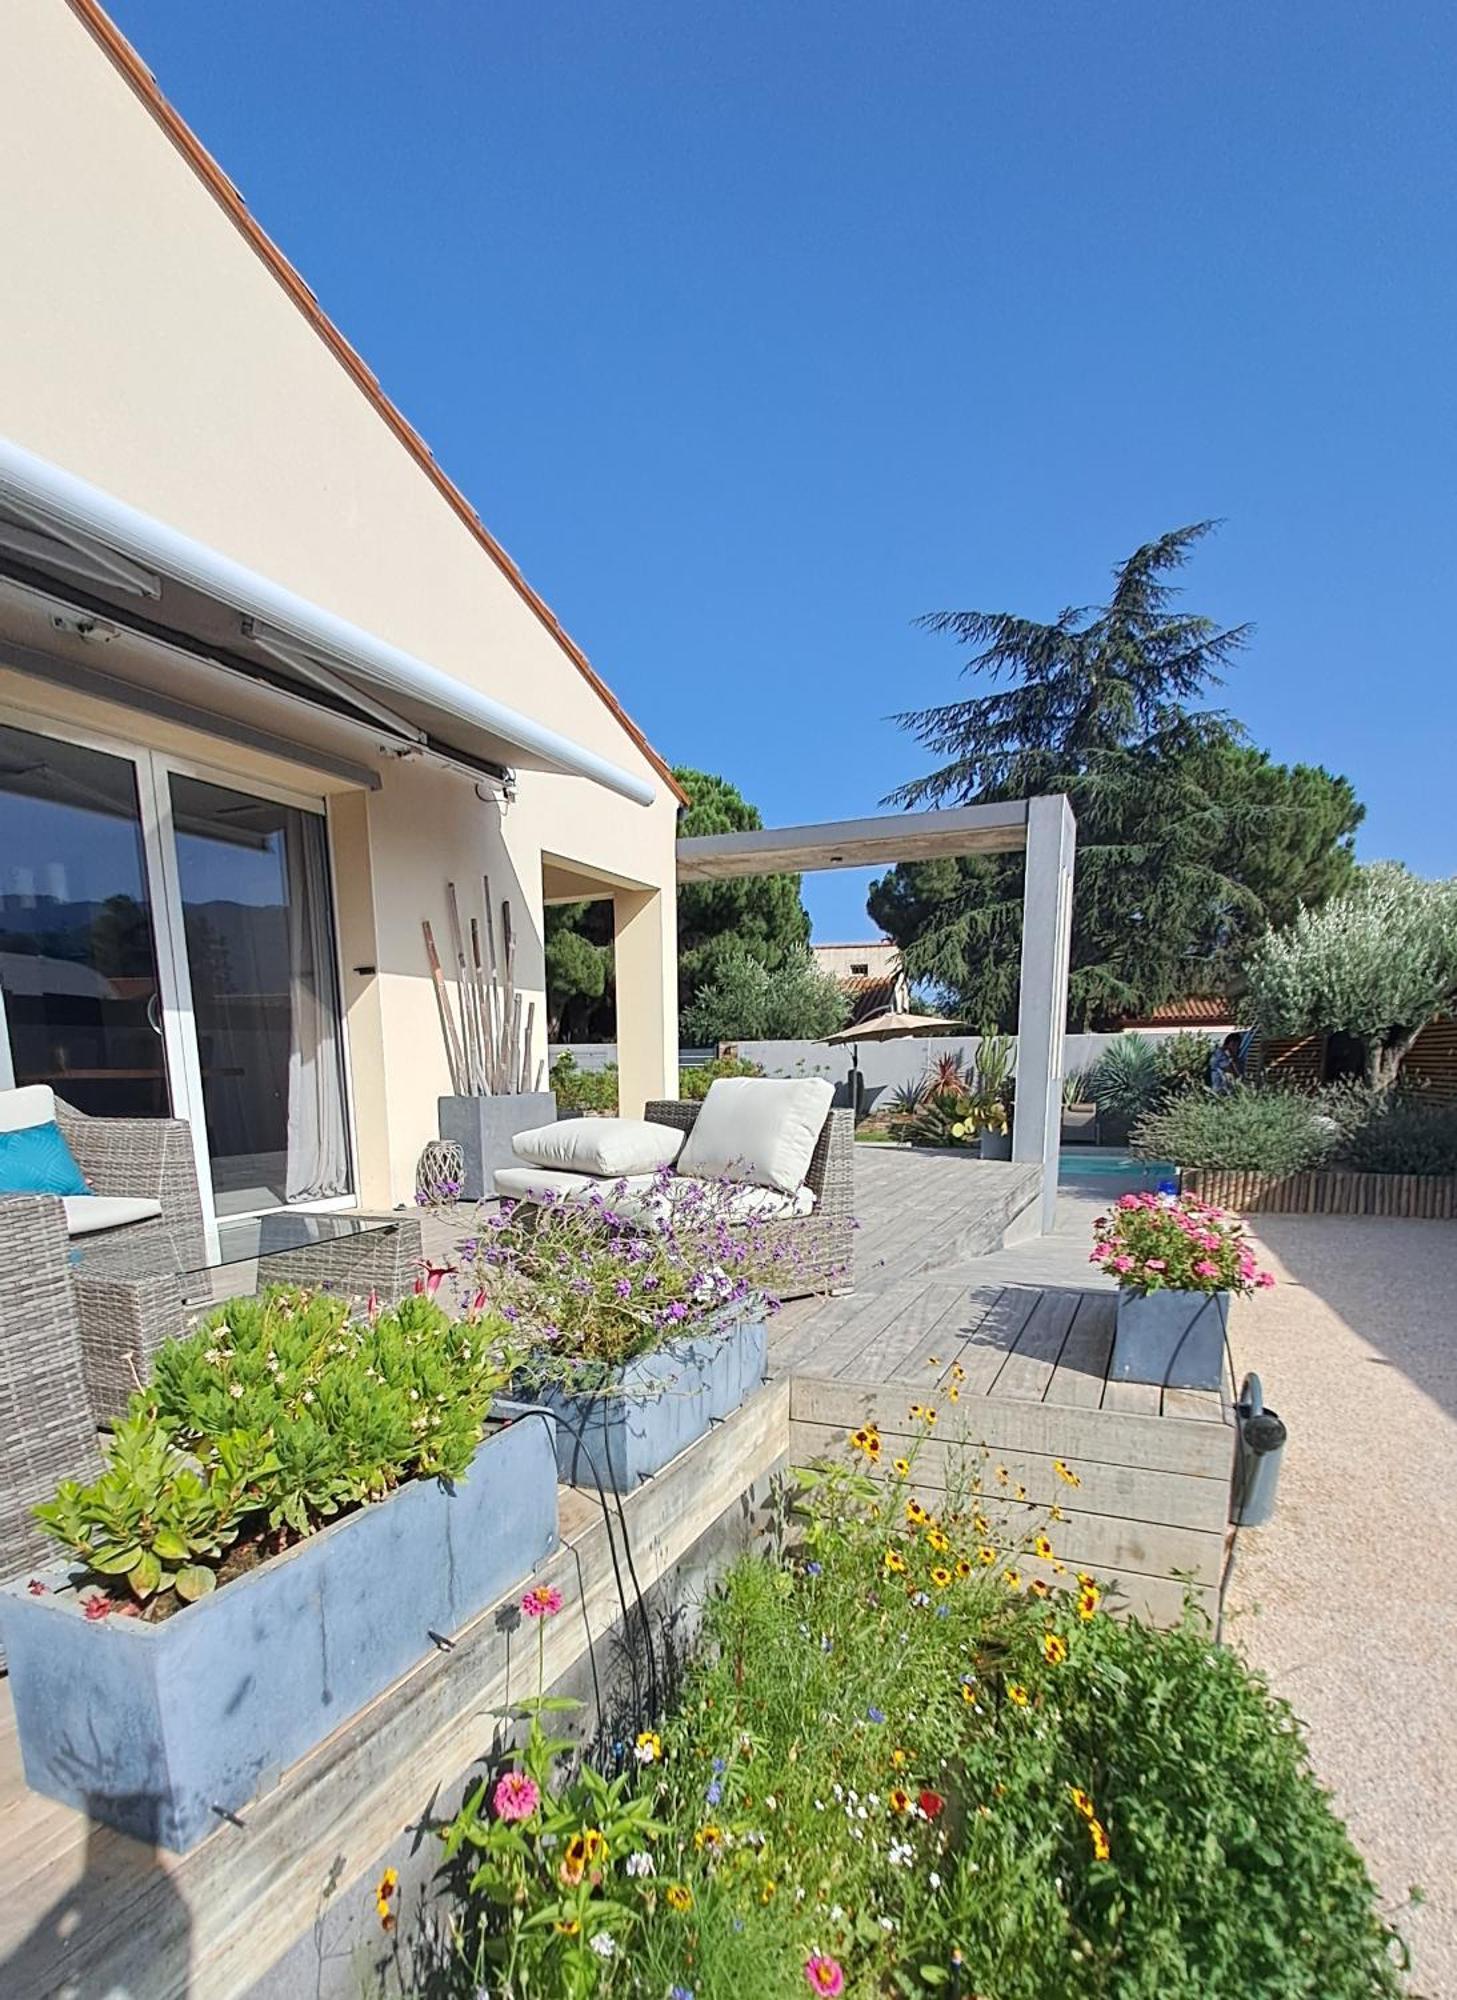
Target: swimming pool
1110 1171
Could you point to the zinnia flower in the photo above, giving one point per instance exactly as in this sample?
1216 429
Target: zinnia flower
543 1600
932 1804
1054 1648
516 1796
824 1976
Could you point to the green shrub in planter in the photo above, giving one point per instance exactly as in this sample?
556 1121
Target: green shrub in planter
580 1092
1405 1135
694 1081
1245 1130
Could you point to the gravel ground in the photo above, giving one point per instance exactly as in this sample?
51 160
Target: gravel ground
1348 1599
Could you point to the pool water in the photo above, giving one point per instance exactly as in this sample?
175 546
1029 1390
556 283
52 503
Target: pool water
1093 1165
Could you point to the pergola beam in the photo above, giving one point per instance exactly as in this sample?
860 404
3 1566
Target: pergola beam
1045 829
854 843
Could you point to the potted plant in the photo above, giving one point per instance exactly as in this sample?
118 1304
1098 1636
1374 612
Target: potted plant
1176 1261
287 1515
642 1317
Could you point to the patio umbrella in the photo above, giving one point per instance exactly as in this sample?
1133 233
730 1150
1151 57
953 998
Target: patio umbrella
887 1027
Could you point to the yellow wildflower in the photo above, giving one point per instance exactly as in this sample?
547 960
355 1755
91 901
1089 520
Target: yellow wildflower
678 1896
1065 1473
1054 1648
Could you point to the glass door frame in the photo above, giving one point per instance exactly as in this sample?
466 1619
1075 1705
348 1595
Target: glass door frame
151 771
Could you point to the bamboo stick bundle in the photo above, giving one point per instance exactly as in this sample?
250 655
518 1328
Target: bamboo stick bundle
493 991
510 999
454 1057
463 987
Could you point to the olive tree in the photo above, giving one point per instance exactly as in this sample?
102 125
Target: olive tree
1376 963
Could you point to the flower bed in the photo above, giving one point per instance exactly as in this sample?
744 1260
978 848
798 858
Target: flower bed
903 1765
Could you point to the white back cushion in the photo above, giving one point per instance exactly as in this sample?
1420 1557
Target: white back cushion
600 1146
32 1104
758 1129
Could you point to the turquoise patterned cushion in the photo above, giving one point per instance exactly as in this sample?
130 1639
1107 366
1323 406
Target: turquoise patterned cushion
37 1160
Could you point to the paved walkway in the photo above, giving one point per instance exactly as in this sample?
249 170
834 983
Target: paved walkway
1348 1600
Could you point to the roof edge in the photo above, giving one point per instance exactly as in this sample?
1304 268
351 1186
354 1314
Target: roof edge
126 60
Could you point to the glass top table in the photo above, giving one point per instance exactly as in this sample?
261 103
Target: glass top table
311 1242
132 1295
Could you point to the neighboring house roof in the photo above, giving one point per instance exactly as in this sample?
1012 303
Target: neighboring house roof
1199 1011
869 995
142 81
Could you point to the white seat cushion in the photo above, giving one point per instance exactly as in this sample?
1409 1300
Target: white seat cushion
648 1201
86 1213
32 1104
545 1183
600 1145
758 1129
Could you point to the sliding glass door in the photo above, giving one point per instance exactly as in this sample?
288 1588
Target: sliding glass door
254 883
78 960
167 946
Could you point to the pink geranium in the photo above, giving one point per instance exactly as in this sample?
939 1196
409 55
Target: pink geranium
1171 1243
516 1796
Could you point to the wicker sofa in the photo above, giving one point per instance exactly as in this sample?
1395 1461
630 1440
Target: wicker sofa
72 1346
817 1249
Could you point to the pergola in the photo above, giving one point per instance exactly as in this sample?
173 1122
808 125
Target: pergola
1044 828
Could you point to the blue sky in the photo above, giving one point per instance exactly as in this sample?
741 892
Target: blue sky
755 330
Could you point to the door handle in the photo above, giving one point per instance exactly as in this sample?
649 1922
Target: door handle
154 1014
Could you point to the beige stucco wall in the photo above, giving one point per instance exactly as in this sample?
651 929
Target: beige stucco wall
146 347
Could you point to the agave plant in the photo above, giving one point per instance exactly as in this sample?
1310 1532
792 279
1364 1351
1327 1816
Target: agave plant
1127 1079
907 1098
1077 1088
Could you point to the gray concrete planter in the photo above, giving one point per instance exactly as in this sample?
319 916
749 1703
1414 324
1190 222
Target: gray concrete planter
1175 1339
483 1128
657 1405
996 1145
161 1730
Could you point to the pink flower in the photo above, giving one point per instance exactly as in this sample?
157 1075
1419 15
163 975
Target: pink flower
1155 1264
36 1587
1130 1201
1122 1263
516 1796
824 1975
1265 1279
98 1607
1204 1269
544 1600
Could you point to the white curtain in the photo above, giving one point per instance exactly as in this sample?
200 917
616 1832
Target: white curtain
318 1147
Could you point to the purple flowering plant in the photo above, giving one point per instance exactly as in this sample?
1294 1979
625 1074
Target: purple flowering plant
590 1283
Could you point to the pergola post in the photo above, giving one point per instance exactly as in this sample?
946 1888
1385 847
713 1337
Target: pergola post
1047 912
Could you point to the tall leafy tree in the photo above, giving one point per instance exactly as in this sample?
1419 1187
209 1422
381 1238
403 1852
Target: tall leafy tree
1187 837
1376 963
761 917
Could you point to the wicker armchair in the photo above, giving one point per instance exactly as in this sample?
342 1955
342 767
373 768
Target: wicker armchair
815 1252
47 1429
123 1290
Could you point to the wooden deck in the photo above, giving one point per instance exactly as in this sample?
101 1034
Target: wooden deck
1012 1350
280 1905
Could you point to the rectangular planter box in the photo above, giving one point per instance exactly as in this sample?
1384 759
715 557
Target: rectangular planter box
1175 1339
484 1127
158 1730
659 1405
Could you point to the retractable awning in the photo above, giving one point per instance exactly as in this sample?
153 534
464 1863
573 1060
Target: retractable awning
55 525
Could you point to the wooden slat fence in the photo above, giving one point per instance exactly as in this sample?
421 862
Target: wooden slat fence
1328 1191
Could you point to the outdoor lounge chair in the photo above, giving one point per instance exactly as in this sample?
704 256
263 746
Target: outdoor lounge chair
808 1230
